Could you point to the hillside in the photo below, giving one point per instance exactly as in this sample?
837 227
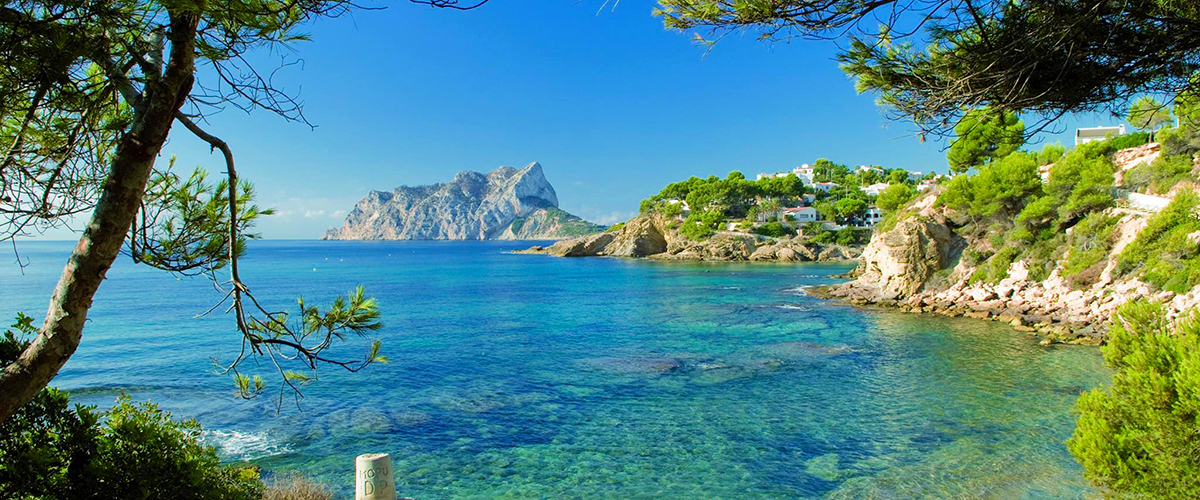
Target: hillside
1051 248
505 203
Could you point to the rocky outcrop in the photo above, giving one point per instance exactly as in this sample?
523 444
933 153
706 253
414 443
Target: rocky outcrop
505 203
897 264
916 267
654 237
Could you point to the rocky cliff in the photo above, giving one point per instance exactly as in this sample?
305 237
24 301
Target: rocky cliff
656 237
921 265
505 203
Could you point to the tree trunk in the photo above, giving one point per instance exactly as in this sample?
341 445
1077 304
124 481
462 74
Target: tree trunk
105 233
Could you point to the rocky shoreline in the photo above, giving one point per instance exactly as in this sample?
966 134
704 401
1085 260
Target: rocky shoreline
917 267
655 237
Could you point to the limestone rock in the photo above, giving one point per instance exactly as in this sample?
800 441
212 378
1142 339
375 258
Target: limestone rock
505 203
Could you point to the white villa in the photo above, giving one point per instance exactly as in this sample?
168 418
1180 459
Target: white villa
868 168
825 186
802 214
875 189
1086 135
805 172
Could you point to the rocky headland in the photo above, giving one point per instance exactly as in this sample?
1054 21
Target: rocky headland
505 204
920 265
658 237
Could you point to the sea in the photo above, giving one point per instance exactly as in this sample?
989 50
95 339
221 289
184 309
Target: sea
535 377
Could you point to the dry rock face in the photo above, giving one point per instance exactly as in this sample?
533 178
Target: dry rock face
505 203
652 237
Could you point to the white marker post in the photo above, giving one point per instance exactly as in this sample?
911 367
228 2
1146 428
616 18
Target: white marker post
373 477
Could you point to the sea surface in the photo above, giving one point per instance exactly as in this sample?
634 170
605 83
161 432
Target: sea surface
520 376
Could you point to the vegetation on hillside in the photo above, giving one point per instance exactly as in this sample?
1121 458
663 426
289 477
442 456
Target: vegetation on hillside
712 200
1137 438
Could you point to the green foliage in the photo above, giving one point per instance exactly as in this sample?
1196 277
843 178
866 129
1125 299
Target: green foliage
1163 254
852 236
184 224
984 135
1137 438
996 266
701 224
615 227
828 171
775 230
1147 113
50 451
1050 154
1160 175
849 208
732 196
897 176
1089 241
1080 183
1000 186
895 196
1182 141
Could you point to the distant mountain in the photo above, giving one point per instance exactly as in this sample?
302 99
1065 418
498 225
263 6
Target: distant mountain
504 204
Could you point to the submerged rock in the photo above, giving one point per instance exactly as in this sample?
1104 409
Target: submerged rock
633 365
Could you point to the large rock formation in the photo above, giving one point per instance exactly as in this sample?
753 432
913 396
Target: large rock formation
505 203
897 264
655 237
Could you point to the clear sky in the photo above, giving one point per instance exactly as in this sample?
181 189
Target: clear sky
610 103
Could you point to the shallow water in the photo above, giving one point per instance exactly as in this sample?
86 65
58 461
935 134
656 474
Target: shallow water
518 376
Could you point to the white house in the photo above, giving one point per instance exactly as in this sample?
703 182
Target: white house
915 175
874 189
1086 135
872 216
824 186
802 214
806 173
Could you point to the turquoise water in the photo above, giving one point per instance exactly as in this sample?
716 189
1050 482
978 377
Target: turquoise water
518 376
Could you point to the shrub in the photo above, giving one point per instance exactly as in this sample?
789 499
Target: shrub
615 227
50 451
1160 175
895 196
1089 241
1050 154
1137 439
1162 253
296 487
701 224
774 229
850 236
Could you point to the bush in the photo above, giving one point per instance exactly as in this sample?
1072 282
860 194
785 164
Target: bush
1160 175
296 487
1089 242
50 451
895 196
615 227
774 229
850 236
1162 253
1137 439
701 224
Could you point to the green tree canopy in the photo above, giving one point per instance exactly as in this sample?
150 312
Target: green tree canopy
895 196
1148 114
1137 439
984 135
940 59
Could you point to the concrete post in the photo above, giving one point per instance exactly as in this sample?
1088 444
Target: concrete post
373 477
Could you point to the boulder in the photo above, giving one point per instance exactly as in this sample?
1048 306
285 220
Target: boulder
641 237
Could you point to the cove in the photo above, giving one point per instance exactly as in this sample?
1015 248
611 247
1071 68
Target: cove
540 377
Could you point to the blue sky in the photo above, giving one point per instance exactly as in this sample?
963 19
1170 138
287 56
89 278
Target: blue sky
610 103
